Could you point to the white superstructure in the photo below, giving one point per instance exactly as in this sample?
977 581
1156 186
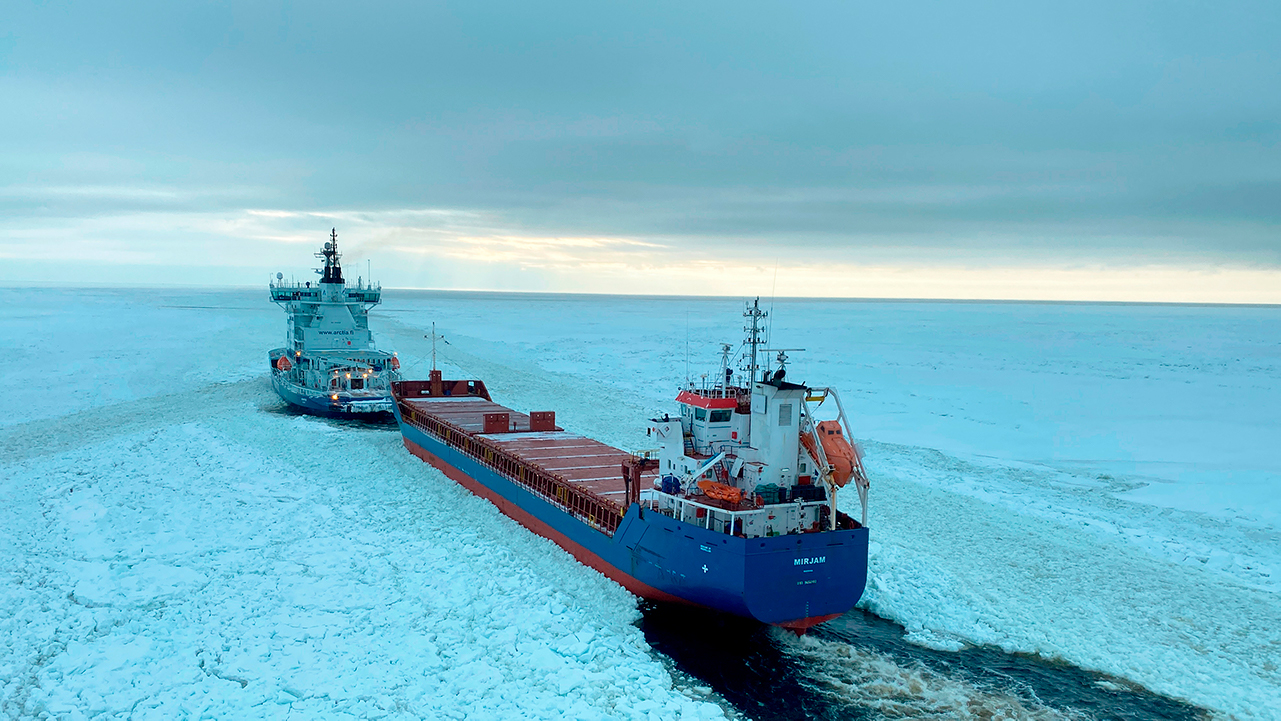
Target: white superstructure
329 363
751 457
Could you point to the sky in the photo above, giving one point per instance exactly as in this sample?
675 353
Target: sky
1059 151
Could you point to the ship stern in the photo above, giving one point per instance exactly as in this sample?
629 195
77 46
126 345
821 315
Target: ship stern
799 581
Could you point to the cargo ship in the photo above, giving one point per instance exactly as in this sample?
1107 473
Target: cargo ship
735 509
329 365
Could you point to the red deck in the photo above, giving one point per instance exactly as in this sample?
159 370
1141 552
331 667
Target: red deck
467 412
582 462
586 463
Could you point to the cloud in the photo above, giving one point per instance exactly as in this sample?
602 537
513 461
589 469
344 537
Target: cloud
450 249
554 144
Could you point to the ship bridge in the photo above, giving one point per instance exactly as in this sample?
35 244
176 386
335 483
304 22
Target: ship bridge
328 315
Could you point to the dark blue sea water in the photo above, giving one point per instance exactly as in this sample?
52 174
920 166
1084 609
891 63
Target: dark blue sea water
861 667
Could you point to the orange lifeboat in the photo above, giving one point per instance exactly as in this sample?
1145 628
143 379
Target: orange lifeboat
283 363
395 363
807 442
720 491
837 448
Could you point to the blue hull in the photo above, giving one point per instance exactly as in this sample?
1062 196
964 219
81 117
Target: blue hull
795 581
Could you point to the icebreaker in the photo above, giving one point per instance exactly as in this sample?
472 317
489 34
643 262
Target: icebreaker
329 365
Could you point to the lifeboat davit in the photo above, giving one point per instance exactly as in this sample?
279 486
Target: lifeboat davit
840 453
283 363
721 491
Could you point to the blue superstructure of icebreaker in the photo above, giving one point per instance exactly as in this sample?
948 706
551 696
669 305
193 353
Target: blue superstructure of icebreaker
329 365
735 510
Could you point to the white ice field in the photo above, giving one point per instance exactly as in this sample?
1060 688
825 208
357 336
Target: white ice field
1096 484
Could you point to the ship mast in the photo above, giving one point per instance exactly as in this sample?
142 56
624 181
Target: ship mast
332 272
725 370
754 316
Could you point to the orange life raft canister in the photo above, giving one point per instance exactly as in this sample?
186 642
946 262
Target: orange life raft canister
720 491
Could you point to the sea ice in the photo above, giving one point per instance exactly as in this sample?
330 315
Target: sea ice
177 550
1091 483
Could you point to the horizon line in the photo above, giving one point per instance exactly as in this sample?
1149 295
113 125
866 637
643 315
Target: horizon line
661 296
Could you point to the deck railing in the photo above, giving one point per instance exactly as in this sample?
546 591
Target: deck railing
599 513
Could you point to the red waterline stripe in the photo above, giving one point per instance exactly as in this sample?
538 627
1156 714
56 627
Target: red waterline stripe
804 624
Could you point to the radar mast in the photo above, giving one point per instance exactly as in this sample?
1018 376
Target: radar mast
754 316
332 272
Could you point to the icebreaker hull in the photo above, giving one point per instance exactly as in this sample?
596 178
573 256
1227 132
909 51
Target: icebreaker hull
344 405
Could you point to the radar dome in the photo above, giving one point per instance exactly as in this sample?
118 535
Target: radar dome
329 246
280 276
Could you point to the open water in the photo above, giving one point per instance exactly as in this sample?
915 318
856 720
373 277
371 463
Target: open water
860 666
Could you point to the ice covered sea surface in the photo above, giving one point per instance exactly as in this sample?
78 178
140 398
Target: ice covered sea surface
1092 484
176 546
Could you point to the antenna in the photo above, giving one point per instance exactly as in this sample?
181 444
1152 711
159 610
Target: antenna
434 337
754 315
782 354
332 272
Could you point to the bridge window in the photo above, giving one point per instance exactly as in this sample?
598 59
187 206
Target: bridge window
720 416
700 414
